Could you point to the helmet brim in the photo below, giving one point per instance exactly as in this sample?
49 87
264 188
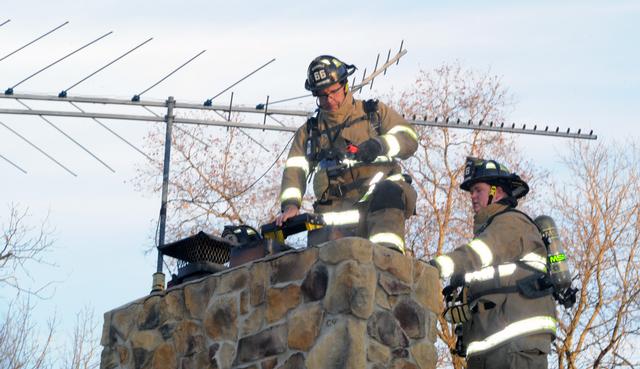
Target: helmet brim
519 188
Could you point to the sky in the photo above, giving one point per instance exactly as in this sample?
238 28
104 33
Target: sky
572 64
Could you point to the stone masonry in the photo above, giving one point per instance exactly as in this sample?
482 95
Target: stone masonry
344 304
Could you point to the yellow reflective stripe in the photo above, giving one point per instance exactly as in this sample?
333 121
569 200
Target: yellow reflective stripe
341 217
404 129
298 162
396 177
488 273
446 266
393 144
490 165
291 193
535 261
538 324
372 185
375 179
388 237
482 250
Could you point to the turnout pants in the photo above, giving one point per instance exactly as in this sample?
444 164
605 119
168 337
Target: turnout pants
380 217
522 353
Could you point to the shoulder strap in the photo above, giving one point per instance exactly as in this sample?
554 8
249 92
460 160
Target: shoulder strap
371 108
313 139
507 210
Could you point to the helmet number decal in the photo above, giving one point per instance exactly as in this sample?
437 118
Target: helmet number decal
319 75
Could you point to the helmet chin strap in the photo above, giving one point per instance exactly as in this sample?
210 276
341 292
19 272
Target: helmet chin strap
492 194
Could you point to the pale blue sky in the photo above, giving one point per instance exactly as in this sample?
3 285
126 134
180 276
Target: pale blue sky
574 64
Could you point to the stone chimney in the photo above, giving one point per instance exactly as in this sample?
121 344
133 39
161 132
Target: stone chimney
344 304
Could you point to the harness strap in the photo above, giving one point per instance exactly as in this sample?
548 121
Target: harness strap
371 108
339 190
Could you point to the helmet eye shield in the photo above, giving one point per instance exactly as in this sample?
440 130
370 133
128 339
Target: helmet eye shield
328 94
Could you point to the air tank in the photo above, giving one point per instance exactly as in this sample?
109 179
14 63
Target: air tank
557 259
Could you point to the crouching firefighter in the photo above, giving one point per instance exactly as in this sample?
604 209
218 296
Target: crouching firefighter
351 148
499 295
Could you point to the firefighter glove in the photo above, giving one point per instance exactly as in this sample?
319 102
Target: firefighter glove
369 150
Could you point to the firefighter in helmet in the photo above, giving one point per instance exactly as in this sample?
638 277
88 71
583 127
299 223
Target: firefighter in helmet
505 318
352 148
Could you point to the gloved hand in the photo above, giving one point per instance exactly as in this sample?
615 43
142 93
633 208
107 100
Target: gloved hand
369 150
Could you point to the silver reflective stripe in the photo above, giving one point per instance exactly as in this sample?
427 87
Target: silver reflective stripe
383 159
446 266
298 162
341 217
350 163
538 324
393 144
404 129
379 159
488 273
388 237
482 250
535 261
291 193
372 185
396 177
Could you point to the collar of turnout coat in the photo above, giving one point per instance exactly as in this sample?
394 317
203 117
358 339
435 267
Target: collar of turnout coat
484 214
342 113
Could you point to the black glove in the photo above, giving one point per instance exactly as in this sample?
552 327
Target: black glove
369 150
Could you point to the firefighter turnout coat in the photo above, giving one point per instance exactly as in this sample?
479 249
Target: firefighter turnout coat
373 198
500 267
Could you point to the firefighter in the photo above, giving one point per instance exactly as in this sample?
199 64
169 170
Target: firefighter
351 147
505 317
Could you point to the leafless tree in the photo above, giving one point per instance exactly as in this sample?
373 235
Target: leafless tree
218 176
599 213
22 246
83 352
21 344
24 344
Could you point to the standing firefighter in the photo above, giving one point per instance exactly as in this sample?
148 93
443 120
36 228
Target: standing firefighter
351 147
505 314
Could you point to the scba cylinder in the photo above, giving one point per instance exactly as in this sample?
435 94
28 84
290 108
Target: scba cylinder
557 259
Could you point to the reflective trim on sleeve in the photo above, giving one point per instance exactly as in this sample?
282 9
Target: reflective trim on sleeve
383 159
392 143
482 250
298 162
535 261
379 159
446 266
404 129
341 217
291 193
488 273
395 177
538 324
388 237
